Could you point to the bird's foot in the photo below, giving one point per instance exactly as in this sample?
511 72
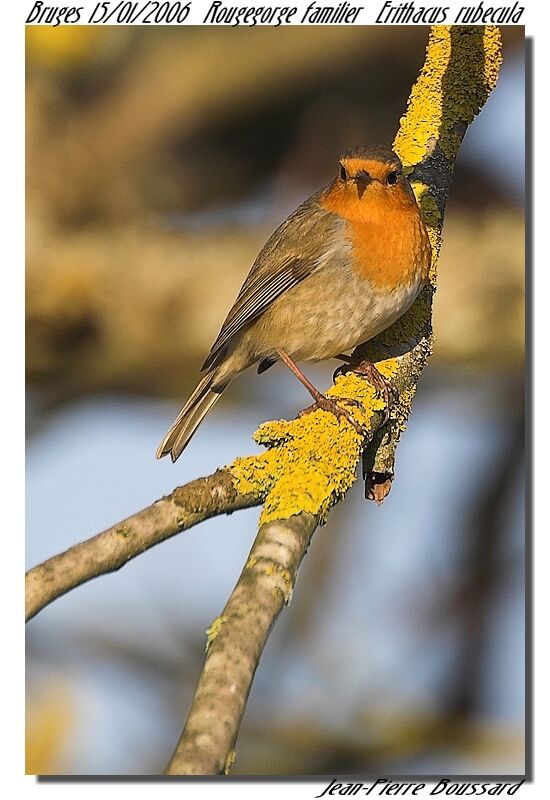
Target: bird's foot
321 401
328 404
380 383
343 368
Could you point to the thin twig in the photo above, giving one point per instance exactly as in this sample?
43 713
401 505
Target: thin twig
109 551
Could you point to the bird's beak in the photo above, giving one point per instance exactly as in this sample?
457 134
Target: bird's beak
362 178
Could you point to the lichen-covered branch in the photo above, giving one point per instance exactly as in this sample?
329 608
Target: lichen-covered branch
301 471
235 643
310 462
461 69
109 551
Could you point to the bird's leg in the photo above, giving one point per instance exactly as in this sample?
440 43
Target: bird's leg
379 382
320 400
315 393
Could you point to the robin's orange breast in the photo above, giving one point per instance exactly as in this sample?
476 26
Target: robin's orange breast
390 244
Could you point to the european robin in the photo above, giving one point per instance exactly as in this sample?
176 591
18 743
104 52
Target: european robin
343 267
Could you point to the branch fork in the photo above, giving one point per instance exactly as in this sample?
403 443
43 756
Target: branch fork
309 462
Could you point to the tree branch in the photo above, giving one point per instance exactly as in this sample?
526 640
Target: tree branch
109 551
235 643
460 70
310 462
287 479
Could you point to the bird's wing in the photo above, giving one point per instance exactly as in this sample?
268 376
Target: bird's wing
292 253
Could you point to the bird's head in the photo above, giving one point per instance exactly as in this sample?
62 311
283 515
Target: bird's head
372 172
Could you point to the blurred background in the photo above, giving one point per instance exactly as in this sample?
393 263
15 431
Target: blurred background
158 162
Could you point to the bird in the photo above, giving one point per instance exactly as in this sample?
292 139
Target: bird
343 267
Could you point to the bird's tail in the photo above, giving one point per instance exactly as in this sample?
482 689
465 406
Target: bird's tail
190 417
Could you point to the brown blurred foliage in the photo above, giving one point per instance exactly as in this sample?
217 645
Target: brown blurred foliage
129 130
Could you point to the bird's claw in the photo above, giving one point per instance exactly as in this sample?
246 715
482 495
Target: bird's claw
328 404
382 384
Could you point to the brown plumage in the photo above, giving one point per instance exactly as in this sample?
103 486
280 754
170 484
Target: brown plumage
343 267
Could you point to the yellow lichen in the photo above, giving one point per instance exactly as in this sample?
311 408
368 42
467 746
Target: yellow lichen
311 461
213 630
229 761
405 404
432 218
277 569
461 68
388 367
285 579
430 212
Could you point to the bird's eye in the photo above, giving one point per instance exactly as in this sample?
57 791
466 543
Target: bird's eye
392 178
343 173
